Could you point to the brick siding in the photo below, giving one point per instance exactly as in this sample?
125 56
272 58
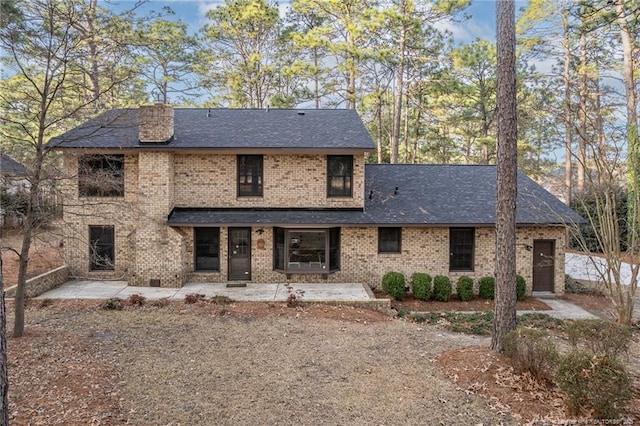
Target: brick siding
155 182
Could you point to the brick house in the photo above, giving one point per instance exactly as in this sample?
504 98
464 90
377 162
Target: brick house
160 197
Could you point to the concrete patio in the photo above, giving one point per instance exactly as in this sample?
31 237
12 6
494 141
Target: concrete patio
341 293
344 292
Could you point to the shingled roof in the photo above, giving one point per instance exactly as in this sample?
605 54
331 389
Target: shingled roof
10 167
408 195
202 128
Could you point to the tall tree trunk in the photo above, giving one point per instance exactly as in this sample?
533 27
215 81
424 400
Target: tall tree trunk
505 270
316 80
633 143
582 111
4 377
416 137
93 51
568 126
397 108
405 133
379 126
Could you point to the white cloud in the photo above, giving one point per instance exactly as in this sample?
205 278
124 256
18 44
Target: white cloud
467 31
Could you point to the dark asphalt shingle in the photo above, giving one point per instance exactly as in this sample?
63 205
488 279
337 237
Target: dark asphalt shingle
10 167
427 195
228 128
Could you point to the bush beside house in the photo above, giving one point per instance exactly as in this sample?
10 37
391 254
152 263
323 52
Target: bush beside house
487 288
421 285
442 288
464 288
393 284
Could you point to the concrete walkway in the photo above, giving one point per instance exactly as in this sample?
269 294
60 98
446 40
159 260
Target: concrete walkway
346 293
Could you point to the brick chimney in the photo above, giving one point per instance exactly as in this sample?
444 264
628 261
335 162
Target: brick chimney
155 123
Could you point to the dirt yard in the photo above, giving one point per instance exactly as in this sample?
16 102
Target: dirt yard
258 363
45 255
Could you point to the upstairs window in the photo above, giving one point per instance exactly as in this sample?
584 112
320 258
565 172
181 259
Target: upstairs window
250 175
339 175
101 175
389 240
461 241
101 252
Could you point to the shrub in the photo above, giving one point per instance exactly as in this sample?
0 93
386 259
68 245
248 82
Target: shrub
403 312
220 300
539 320
193 298
293 300
112 304
478 323
601 337
531 351
160 303
573 286
464 288
487 288
136 299
442 288
521 288
393 284
421 284
594 383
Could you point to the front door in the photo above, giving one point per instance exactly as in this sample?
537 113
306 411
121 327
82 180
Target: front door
239 254
543 265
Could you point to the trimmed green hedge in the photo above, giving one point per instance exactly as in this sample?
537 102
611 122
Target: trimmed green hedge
393 285
464 288
487 288
421 284
441 288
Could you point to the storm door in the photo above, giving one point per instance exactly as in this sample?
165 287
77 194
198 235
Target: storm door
543 265
239 254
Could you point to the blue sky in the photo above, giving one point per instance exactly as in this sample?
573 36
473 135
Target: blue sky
481 24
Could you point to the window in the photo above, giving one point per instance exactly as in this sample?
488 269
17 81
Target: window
461 249
101 175
249 175
207 250
389 240
339 175
101 253
306 250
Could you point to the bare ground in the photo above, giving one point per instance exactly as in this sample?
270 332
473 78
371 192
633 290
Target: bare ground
242 363
258 363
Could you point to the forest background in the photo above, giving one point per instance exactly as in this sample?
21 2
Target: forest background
426 93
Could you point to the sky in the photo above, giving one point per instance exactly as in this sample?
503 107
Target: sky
481 24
